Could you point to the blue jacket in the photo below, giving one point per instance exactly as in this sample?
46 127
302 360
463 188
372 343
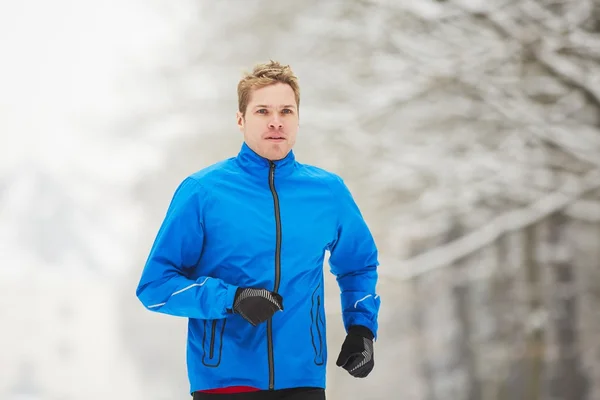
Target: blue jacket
249 222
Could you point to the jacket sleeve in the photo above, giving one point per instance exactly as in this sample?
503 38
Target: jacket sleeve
353 260
165 286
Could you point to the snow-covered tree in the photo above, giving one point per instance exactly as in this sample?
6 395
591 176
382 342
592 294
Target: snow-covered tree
469 132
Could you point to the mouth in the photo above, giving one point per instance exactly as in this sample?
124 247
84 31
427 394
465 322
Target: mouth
275 138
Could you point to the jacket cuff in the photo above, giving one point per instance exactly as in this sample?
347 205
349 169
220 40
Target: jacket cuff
230 298
361 330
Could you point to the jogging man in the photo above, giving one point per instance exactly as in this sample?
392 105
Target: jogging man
240 254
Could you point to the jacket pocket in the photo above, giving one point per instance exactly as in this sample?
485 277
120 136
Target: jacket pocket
317 327
212 342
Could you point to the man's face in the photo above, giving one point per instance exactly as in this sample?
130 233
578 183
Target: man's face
271 121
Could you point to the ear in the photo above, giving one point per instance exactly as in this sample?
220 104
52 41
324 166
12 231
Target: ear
240 121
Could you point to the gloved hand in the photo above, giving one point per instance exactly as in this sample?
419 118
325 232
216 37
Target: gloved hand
356 355
256 305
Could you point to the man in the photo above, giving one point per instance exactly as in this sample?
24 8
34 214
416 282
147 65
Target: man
240 253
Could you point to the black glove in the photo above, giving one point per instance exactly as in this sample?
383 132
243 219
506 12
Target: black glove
256 305
356 355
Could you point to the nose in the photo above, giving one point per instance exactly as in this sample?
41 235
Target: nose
275 123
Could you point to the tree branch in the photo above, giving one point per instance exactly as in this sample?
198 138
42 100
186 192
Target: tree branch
511 221
544 52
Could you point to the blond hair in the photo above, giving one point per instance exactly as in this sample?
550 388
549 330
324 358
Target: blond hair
264 75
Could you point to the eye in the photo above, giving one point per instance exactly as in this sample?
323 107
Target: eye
262 111
287 111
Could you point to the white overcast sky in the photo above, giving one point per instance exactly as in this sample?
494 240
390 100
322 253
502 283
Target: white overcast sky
69 69
62 62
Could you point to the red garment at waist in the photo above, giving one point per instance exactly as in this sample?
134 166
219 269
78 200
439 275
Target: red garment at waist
231 389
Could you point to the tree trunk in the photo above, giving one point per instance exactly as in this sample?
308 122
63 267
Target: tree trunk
585 242
535 344
465 351
566 379
441 333
418 322
508 313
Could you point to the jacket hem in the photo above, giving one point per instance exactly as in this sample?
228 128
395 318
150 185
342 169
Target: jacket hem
284 384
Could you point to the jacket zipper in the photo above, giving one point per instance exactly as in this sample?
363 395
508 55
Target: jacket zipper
317 324
212 339
277 272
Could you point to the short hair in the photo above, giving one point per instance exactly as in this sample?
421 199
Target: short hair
262 75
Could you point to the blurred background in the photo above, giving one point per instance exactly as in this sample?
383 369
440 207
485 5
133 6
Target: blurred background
468 131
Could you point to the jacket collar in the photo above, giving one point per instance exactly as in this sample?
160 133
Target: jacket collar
258 165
